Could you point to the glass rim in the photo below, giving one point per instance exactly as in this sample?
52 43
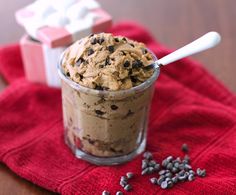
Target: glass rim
77 86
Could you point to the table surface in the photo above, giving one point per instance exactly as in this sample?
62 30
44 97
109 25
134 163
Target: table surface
173 23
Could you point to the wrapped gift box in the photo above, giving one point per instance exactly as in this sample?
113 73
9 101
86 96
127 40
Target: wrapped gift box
51 26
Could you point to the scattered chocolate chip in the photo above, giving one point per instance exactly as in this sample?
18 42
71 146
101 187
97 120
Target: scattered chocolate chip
152 163
164 185
169 166
123 183
123 178
119 193
91 35
101 66
154 180
99 112
184 148
201 173
111 48
90 51
126 64
160 179
68 74
130 175
124 39
191 177
137 64
116 39
162 172
144 164
147 155
144 50
175 179
101 40
114 107
128 187
105 192
145 171
93 41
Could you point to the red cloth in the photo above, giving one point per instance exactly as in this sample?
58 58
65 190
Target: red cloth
189 106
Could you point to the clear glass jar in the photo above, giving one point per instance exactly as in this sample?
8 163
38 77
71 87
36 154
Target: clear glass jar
106 127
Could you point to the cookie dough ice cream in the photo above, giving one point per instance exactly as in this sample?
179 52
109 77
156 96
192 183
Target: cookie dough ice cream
106 95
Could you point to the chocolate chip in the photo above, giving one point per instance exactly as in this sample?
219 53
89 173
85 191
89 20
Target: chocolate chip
154 180
93 41
68 74
144 50
128 187
114 107
160 179
123 178
101 66
111 48
144 164
99 112
90 51
123 53
101 40
124 39
116 39
123 183
147 155
184 148
191 177
119 193
133 79
107 61
79 61
126 64
130 175
164 185
91 35
201 173
137 64
132 44
99 87
145 171
105 192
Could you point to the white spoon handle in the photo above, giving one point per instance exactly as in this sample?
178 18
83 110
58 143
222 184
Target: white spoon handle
207 41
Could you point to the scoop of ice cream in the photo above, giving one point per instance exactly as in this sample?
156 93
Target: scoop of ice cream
106 62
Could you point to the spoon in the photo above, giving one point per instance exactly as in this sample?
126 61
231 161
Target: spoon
207 41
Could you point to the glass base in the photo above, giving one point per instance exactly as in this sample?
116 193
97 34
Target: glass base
107 160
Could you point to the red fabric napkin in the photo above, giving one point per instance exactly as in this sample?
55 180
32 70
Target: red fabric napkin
189 106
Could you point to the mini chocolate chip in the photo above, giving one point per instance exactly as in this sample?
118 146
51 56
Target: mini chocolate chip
124 39
107 61
184 148
68 74
101 66
145 171
164 185
99 87
90 51
93 41
128 187
154 180
130 175
114 107
147 155
133 79
111 48
137 64
79 61
105 192
101 40
123 178
191 177
116 39
144 50
132 44
99 112
119 193
123 53
144 164
126 64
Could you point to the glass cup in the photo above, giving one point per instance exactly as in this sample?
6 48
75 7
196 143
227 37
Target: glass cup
106 127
